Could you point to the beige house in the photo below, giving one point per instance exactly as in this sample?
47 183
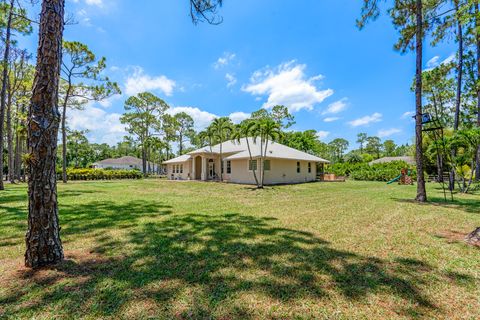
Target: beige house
283 165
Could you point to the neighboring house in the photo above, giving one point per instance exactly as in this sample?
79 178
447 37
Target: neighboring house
408 160
123 163
283 164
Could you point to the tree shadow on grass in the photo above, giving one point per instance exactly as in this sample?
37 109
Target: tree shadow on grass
199 266
76 219
467 205
13 209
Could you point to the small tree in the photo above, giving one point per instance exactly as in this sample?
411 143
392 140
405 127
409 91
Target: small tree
362 139
374 146
269 131
222 129
245 130
338 147
14 22
81 82
389 148
144 112
184 129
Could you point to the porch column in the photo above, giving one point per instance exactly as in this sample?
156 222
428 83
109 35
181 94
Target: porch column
193 175
204 168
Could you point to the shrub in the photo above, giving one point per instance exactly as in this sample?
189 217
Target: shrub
376 172
101 174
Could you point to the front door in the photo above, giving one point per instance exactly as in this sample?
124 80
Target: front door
211 169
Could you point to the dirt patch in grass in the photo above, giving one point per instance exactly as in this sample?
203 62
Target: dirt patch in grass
452 236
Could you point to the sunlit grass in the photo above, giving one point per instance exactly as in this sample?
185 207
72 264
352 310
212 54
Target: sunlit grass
160 249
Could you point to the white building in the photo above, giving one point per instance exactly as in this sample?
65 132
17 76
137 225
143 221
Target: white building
283 165
123 163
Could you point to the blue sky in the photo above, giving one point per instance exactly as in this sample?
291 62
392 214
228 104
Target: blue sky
305 54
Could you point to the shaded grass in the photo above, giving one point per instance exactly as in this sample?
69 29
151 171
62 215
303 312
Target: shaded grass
139 249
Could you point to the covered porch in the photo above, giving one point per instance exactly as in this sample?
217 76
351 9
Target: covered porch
205 167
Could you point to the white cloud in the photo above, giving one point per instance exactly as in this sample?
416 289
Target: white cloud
322 134
287 85
224 60
408 114
433 62
336 107
231 80
449 59
139 82
106 103
98 3
388 132
376 117
238 117
103 127
331 119
202 118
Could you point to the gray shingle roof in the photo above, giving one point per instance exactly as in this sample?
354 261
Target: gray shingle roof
407 159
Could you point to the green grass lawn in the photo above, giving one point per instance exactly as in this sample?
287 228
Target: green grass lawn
159 249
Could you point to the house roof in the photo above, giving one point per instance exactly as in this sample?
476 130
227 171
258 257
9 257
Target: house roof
180 159
407 159
234 150
127 160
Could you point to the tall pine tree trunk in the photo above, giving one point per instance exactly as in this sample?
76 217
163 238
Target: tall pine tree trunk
421 191
180 144
43 243
458 101
144 159
64 129
64 144
477 25
3 93
10 141
18 156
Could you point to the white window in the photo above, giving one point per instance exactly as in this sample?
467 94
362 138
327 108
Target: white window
298 166
266 165
181 168
252 165
309 167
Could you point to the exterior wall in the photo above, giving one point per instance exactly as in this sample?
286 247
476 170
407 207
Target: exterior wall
285 171
187 171
281 172
240 172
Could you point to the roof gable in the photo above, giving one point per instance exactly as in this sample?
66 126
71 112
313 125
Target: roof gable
234 149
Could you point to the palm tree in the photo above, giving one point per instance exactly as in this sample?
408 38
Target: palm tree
207 136
222 129
269 131
245 130
466 141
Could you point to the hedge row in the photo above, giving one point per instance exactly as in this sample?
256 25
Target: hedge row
375 172
101 174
